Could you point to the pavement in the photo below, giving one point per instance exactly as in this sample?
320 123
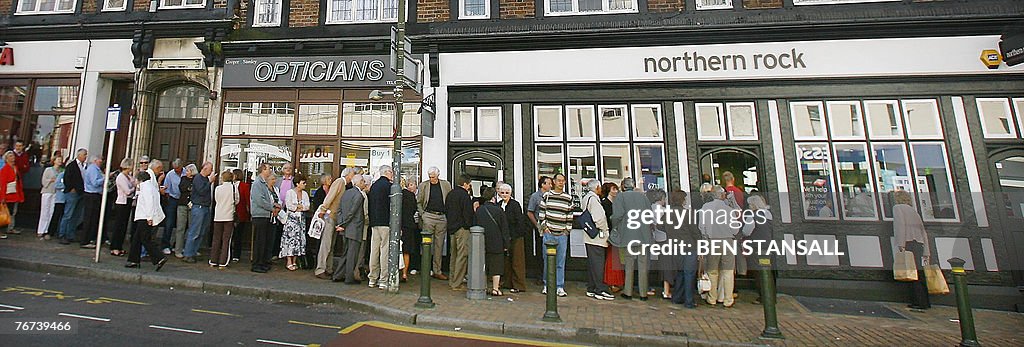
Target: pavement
584 320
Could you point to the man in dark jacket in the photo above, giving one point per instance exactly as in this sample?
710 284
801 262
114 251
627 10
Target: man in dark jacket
380 226
460 217
202 201
351 222
74 187
410 228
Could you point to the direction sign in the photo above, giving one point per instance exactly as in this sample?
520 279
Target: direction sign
113 117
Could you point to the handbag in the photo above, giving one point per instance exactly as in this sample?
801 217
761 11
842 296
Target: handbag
903 268
5 215
936 281
704 283
316 227
586 221
282 216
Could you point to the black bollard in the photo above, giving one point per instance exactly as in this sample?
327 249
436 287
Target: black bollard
425 301
551 312
968 338
771 319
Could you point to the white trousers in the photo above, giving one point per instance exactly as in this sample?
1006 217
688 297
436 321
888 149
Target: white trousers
46 211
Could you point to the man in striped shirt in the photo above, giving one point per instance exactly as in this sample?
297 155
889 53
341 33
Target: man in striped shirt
555 216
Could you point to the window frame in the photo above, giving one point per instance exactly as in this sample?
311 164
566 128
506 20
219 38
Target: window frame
871 179
561 123
599 130
753 121
463 15
719 109
1013 126
908 165
353 10
576 12
938 120
339 109
593 126
949 181
472 125
658 117
831 124
277 19
1018 108
824 121
898 112
37 11
184 5
831 182
563 150
106 8
476 123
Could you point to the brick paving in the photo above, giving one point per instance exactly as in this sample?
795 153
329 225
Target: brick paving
656 317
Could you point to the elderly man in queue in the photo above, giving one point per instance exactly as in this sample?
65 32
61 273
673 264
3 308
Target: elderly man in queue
431 198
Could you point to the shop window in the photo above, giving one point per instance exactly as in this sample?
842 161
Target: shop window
249 154
613 122
175 4
845 120
651 164
646 122
922 118
268 13
55 99
114 5
884 120
377 120
463 123
1018 106
615 161
476 124
710 122
575 7
361 11
46 6
489 120
996 119
474 9
808 121
549 160
259 118
582 169
13 98
856 190
815 165
318 119
548 122
742 121
580 121
370 155
892 173
183 102
934 184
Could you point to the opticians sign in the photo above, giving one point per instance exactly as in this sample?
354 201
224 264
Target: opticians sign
323 71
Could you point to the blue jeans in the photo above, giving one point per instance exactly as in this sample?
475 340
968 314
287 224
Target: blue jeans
199 223
686 282
72 216
170 221
563 242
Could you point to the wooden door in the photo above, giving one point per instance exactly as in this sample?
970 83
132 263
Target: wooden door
178 140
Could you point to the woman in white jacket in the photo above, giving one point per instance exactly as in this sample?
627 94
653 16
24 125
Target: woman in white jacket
596 247
148 216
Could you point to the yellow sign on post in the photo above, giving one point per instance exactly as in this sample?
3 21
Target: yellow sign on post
991 58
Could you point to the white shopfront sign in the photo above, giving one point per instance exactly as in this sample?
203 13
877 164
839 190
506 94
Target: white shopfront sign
108 56
774 60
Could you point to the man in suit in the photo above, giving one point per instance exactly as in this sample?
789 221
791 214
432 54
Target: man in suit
327 211
74 187
430 201
379 200
632 198
350 222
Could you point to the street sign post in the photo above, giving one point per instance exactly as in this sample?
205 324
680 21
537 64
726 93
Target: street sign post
113 120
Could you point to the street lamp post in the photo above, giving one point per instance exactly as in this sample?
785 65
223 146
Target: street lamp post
396 185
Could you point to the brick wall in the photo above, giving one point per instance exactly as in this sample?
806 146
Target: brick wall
429 11
665 5
6 6
220 3
758 4
304 13
90 6
517 9
141 5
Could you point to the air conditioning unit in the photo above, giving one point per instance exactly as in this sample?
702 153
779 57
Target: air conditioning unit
176 64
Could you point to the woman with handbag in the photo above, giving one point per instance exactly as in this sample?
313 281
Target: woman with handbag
293 239
908 229
125 184
226 198
13 194
614 274
595 239
496 238
148 217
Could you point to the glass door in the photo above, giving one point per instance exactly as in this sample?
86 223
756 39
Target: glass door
1010 176
316 160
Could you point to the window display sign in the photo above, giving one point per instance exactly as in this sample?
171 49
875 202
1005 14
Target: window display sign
816 181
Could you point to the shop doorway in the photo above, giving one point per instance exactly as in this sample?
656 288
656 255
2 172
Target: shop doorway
483 167
1009 178
316 160
743 163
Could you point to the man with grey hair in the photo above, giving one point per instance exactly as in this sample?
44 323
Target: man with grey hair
632 198
91 201
199 220
597 245
171 183
328 210
263 207
74 187
722 264
350 223
431 197
379 203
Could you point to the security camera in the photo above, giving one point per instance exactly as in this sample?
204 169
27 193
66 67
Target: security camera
376 95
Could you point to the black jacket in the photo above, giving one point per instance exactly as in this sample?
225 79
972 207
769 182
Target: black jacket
317 199
496 230
380 203
518 224
73 178
460 209
202 191
409 211
185 187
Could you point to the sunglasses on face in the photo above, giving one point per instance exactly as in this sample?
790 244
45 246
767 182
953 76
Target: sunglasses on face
143 162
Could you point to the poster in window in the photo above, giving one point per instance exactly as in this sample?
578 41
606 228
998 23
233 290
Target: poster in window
816 181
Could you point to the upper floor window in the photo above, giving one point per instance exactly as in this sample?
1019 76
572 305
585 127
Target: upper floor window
573 7
183 102
361 11
46 6
474 9
182 4
115 5
268 13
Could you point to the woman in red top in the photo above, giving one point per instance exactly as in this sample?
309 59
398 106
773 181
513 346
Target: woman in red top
242 216
10 187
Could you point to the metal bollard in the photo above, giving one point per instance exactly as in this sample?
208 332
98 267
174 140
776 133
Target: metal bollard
968 338
425 262
771 319
551 311
476 278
